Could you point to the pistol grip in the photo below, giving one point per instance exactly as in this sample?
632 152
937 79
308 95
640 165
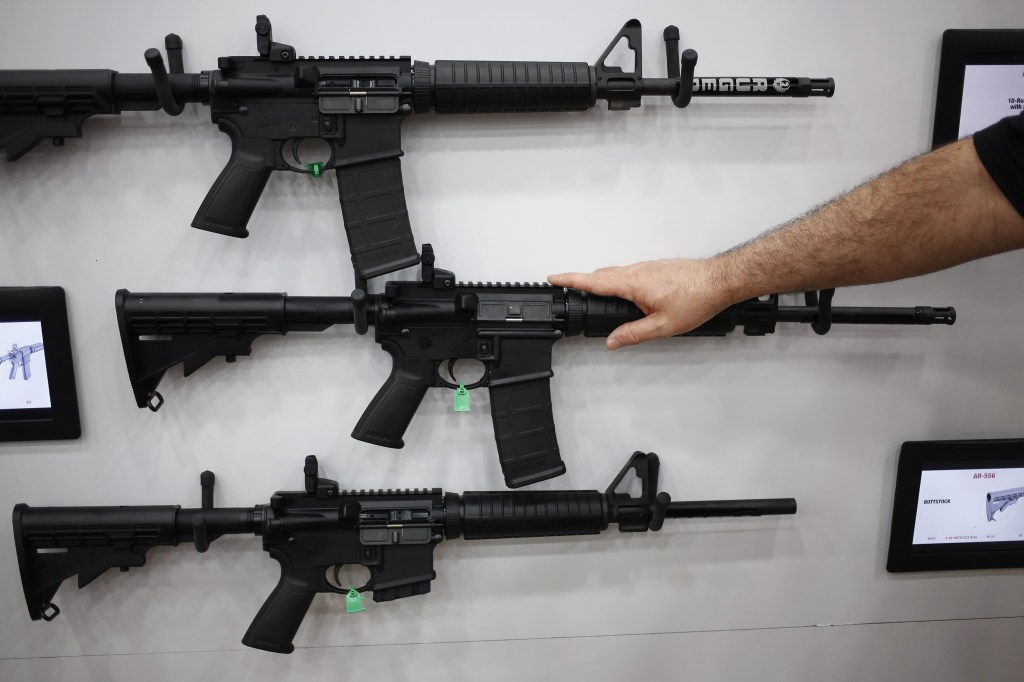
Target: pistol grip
274 627
524 429
388 415
230 202
376 218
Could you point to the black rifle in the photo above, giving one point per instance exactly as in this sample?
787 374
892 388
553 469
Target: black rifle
390 532
510 328
267 104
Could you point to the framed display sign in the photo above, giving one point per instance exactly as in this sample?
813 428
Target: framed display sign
38 400
981 80
959 505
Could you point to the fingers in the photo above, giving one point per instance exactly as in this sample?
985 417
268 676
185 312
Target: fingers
644 329
568 279
604 282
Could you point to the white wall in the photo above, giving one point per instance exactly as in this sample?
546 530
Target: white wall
515 198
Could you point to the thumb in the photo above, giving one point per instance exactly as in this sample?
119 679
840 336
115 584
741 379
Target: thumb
638 331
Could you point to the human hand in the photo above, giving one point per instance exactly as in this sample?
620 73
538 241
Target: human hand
676 296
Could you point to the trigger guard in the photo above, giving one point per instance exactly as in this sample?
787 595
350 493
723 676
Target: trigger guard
479 383
368 587
295 164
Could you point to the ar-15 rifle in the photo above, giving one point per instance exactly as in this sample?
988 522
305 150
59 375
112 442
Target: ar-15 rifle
391 532
21 357
510 328
999 500
268 103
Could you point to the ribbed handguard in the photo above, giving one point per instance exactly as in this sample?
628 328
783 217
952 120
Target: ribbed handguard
460 87
602 314
532 514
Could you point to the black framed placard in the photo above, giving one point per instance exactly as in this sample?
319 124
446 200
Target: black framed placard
981 80
38 400
959 505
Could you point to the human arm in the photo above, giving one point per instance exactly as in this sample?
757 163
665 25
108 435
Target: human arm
930 213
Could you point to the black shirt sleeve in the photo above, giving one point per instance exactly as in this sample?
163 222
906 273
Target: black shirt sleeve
1001 149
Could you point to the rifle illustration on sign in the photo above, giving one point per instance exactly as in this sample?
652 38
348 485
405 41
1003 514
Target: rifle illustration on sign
21 357
431 323
998 501
269 103
391 532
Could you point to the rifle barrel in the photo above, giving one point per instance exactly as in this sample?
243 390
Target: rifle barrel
703 509
864 315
